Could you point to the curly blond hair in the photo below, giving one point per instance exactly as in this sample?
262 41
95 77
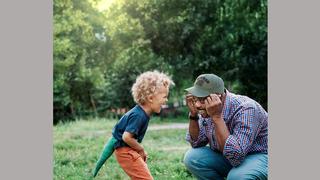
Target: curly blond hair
147 84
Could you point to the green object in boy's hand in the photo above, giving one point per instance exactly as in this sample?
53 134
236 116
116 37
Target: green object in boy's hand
106 153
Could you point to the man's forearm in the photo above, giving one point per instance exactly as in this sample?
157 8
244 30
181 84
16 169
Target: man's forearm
221 132
194 129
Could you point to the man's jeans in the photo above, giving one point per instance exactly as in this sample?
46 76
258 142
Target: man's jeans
205 163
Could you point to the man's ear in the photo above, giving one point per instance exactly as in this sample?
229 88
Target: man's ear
223 97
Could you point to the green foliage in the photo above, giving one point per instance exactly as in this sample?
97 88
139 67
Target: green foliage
228 38
79 62
98 54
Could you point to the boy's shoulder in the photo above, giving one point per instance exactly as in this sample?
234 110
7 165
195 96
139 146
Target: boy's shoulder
137 112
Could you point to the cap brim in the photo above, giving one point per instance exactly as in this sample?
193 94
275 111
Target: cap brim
197 92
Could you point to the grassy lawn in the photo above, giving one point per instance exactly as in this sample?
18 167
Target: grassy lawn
77 146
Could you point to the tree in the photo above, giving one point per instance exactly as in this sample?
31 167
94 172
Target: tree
79 58
228 38
98 54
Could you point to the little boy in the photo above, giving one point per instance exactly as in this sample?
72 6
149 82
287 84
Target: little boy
150 92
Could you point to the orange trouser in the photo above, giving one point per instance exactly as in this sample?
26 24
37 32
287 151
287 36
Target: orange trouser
132 163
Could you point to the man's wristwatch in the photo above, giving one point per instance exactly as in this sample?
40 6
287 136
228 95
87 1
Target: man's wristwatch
195 118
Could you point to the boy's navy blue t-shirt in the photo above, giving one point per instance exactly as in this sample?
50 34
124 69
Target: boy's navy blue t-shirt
134 121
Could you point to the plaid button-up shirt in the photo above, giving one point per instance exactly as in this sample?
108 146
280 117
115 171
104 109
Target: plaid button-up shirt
247 123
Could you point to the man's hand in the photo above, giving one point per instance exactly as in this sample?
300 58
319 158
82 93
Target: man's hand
214 106
143 154
192 109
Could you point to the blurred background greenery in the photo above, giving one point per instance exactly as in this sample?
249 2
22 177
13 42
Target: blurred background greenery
100 46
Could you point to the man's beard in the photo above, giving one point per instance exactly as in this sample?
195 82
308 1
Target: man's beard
203 113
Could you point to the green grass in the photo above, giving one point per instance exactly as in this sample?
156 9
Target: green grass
77 146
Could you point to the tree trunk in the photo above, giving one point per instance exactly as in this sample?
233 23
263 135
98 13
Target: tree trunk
72 110
93 106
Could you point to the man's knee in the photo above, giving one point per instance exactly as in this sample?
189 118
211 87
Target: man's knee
187 160
237 175
192 158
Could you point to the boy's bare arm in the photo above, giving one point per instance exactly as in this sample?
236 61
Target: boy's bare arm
133 143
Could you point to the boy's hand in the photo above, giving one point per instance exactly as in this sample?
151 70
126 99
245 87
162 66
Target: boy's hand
143 154
128 138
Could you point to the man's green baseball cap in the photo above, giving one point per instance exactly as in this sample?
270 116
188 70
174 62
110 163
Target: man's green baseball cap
207 84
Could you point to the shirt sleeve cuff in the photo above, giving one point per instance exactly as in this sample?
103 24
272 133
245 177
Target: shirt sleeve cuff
197 142
233 152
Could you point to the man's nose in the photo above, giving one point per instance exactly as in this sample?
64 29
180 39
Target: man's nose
197 104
